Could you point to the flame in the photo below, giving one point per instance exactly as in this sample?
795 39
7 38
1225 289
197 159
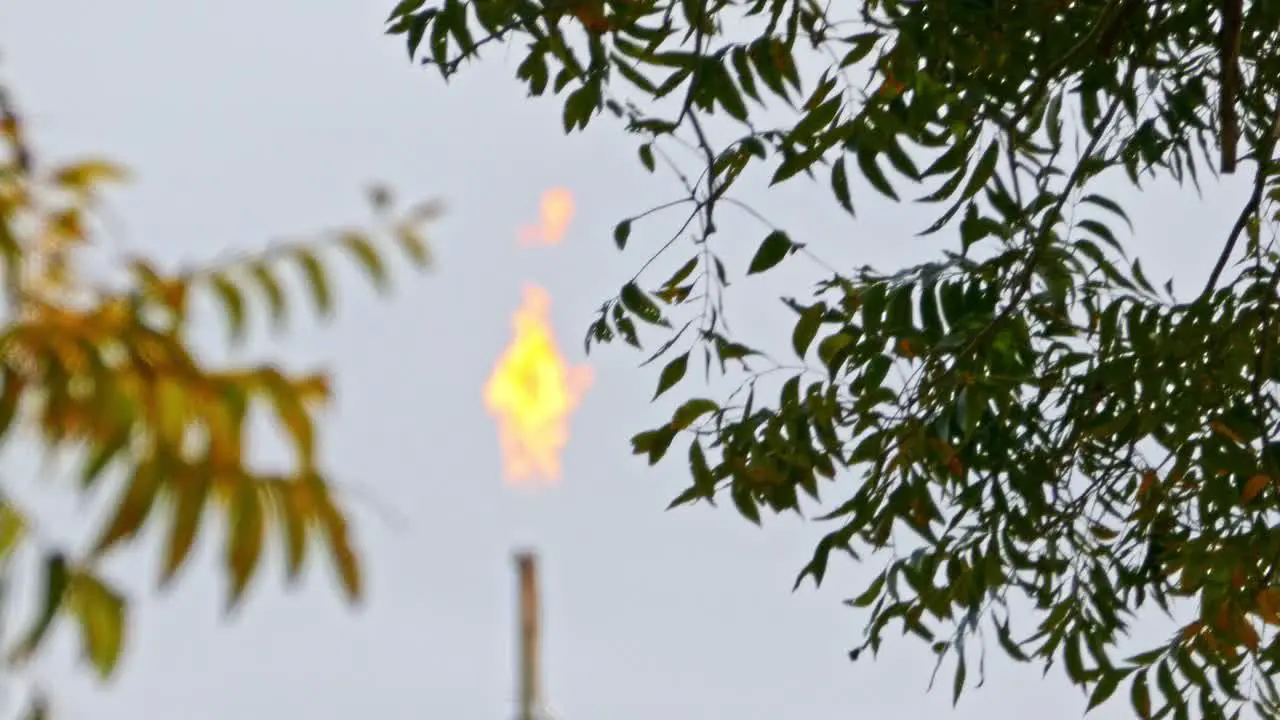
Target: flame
555 212
532 392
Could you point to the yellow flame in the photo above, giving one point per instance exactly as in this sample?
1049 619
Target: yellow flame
555 213
532 392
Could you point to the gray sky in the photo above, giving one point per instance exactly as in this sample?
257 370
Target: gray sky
246 120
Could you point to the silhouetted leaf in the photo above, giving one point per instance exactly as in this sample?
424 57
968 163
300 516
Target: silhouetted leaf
775 247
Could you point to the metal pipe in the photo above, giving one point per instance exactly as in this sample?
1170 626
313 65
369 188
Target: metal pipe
528 670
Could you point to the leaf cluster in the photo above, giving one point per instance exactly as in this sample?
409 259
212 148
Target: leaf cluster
1032 440
109 378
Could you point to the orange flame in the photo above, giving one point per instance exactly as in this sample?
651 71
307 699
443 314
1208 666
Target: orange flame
556 210
531 393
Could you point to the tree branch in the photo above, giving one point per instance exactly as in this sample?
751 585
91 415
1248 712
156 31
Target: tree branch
1229 82
1265 155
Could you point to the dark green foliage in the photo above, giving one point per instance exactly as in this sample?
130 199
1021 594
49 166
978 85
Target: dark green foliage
1035 443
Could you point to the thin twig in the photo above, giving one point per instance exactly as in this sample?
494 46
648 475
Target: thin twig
1264 157
1041 242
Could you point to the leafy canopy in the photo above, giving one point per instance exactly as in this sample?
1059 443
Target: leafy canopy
108 377
1033 441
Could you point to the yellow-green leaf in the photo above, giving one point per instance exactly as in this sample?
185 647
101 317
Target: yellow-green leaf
317 281
244 540
232 303
334 525
367 256
82 176
134 507
293 415
101 612
414 245
294 507
265 281
224 418
172 412
190 494
13 528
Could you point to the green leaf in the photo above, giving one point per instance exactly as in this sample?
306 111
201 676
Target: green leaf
840 185
633 75
816 119
688 413
807 328
741 66
1108 205
776 246
635 300
653 443
745 503
1102 232
899 318
762 58
672 374
869 595
56 577
580 106
874 175
873 304
1005 637
1105 688
646 156
863 44
404 7
682 274
1073 659
1165 682
983 171
834 350
877 369
725 91
930 317
621 232
1140 695
417 28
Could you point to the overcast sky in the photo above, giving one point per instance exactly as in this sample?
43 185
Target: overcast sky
247 120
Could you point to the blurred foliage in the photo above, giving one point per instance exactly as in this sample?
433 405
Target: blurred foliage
1032 440
109 378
